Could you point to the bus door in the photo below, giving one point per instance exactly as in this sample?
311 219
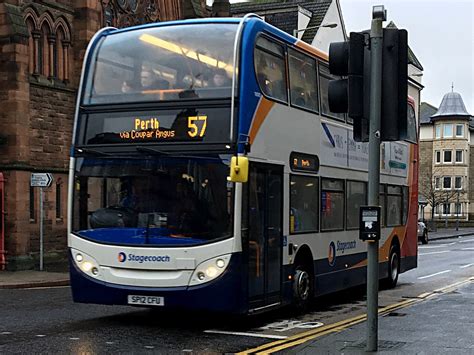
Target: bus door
263 243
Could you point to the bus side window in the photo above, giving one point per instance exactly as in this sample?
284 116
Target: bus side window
303 82
270 69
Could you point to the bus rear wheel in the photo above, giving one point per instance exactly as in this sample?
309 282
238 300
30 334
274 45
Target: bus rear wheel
302 288
393 267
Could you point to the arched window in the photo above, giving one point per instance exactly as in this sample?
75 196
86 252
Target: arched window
60 58
43 50
31 46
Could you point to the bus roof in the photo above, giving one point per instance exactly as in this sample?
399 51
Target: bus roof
268 27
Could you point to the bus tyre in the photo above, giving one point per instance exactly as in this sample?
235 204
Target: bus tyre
302 288
393 267
424 238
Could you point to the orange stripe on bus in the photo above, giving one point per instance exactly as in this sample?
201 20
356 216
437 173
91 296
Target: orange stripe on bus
263 108
305 46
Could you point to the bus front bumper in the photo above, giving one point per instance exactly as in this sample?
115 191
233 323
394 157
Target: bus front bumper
224 294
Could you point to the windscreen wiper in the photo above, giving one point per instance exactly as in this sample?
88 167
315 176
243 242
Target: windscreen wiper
151 150
91 151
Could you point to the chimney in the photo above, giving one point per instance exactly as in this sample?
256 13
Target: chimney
221 8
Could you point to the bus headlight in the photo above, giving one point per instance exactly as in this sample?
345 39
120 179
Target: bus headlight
209 270
85 263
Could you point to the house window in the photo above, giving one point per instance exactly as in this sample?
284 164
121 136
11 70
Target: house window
458 182
447 182
458 156
437 183
448 130
438 131
458 208
437 157
446 209
459 130
448 158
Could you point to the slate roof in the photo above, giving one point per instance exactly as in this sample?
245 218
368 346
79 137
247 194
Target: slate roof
284 14
412 59
426 111
451 105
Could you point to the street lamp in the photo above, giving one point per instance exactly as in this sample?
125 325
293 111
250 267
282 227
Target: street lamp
328 25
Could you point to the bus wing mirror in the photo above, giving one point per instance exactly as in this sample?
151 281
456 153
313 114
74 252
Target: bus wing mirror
239 169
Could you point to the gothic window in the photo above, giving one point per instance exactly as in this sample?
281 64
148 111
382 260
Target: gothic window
31 45
48 46
44 52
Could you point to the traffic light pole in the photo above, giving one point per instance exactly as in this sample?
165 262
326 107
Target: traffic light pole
376 45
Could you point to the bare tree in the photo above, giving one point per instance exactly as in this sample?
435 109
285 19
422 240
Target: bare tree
432 188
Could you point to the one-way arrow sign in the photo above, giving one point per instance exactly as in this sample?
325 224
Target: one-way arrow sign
41 179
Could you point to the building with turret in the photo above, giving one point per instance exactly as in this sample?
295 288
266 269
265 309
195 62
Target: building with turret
446 153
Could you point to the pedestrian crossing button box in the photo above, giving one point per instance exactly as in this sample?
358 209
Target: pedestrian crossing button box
369 226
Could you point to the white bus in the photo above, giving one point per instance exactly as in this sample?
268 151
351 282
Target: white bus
153 218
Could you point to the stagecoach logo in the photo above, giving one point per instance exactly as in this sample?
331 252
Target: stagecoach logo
122 257
332 254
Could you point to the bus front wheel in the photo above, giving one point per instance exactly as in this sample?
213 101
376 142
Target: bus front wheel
302 288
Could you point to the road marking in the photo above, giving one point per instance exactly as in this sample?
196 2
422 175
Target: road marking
5 333
467 248
436 246
303 337
438 273
434 252
255 335
465 266
73 338
40 335
42 287
466 241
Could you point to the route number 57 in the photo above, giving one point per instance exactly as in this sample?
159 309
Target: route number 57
197 126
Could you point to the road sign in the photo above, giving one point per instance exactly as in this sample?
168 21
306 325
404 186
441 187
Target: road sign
41 179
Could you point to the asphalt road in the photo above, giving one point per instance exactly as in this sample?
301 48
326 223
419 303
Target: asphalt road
46 321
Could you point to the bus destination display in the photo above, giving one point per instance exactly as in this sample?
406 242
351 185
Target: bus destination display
149 129
304 162
163 126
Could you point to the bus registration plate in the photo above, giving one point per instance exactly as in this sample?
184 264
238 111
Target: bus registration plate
146 300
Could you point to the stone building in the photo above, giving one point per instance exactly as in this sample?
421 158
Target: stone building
42 44
446 151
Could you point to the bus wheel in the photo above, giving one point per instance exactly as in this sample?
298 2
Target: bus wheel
302 288
393 267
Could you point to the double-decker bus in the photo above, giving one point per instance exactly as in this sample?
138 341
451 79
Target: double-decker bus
207 173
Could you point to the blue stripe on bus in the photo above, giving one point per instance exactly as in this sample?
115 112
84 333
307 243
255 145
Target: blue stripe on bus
250 95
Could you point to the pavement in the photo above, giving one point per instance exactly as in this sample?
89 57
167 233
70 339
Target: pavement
441 325
35 278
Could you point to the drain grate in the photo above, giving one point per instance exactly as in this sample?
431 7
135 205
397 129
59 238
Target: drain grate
396 314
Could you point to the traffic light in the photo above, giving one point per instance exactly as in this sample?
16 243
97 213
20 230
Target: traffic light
394 85
351 95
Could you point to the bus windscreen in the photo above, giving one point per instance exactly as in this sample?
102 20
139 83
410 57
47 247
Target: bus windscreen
161 64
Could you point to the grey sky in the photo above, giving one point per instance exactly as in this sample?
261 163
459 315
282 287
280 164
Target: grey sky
440 33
